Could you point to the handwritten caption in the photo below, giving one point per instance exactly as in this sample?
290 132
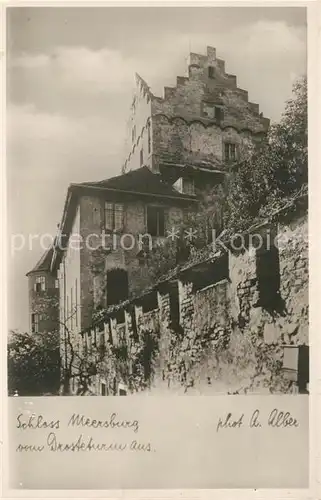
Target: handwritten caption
49 430
83 442
277 419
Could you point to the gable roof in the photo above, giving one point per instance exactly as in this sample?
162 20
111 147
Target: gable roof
138 181
141 182
44 263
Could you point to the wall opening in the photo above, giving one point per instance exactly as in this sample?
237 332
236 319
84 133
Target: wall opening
268 275
117 286
150 302
174 303
120 316
210 273
134 324
303 369
102 346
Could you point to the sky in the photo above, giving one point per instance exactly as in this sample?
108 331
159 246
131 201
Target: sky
70 78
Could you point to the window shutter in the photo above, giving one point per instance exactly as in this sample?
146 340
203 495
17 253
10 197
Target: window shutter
119 216
152 221
109 216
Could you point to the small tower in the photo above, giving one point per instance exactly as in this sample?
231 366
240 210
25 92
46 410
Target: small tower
43 297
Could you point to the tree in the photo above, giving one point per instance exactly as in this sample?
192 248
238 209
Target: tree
277 168
47 362
33 364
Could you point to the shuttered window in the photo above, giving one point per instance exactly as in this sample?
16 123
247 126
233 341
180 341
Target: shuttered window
114 216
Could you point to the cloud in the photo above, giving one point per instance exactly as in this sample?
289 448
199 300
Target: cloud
83 80
81 68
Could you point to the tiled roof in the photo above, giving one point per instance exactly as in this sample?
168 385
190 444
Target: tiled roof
141 180
44 263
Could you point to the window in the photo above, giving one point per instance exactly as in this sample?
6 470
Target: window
103 389
67 311
40 284
35 323
229 151
141 157
213 111
155 221
71 309
56 283
122 392
148 138
114 216
268 275
219 113
188 186
134 133
211 72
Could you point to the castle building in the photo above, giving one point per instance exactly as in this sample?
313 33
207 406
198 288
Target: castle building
206 122
177 147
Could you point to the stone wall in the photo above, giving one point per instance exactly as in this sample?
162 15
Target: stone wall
185 128
94 265
222 340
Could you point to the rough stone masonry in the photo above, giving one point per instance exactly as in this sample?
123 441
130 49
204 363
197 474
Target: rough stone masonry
217 337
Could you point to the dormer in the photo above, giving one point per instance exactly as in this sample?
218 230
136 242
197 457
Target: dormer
185 185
